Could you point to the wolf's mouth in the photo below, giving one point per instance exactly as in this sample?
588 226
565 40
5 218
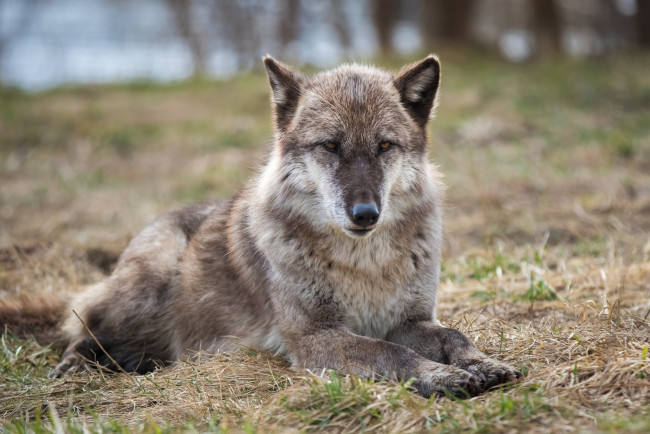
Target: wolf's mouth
361 232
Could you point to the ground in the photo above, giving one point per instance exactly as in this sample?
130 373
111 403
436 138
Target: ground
546 262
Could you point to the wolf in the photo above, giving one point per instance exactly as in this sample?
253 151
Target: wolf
329 256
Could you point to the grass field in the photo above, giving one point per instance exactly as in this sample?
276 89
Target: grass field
546 262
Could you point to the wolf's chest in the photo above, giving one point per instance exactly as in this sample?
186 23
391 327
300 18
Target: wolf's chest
371 307
372 283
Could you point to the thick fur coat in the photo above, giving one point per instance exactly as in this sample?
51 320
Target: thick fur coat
330 256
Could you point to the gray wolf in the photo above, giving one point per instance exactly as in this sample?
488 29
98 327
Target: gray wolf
330 256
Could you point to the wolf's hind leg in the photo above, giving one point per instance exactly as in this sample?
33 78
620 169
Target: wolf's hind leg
112 355
451 347
70 361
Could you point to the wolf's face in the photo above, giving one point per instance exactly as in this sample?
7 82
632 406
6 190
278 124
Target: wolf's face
355 136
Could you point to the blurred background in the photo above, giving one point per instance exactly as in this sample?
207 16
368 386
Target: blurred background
44 43
113 112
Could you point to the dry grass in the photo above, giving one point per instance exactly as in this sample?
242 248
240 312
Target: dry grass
547 258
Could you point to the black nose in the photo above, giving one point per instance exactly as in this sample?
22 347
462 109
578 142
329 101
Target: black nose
365 214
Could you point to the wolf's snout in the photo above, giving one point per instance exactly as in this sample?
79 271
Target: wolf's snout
365 214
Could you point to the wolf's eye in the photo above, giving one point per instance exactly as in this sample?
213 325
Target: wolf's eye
332 147
384 146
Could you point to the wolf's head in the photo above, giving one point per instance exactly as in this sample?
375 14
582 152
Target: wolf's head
354 139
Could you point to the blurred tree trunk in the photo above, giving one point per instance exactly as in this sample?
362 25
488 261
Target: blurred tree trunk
612 27
289 24
182 13
546 26
236 22
446 20
384 13
340 24
643 23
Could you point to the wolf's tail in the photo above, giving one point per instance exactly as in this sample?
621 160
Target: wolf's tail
36 316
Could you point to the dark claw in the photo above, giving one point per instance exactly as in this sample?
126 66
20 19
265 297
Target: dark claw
494 381
471 386
474 370
518 374
462 390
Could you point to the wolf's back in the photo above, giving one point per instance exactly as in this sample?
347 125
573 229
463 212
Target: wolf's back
35 315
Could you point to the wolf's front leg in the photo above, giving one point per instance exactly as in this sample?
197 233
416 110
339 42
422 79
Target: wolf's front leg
342 350
451 347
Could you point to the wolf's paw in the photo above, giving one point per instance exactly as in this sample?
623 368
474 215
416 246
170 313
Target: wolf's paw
491 372
70 363
436 378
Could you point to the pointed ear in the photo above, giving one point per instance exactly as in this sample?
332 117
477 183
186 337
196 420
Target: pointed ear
285 91
418 85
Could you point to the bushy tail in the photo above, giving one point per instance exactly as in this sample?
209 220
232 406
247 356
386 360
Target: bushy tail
36 316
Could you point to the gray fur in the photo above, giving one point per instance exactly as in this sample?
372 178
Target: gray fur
282 266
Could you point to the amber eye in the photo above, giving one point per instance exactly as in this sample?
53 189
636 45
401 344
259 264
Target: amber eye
332 147
385 146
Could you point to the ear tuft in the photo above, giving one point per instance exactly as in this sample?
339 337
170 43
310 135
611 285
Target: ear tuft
418 85
285 89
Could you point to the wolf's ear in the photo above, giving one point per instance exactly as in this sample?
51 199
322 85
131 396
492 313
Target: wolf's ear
417 85
285 89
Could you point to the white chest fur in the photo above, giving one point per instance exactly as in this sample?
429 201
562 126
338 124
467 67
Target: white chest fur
372 285
371 311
